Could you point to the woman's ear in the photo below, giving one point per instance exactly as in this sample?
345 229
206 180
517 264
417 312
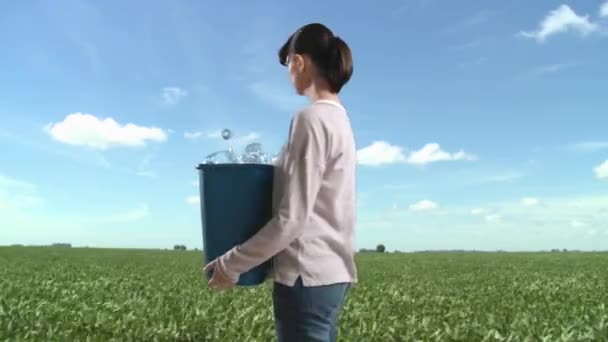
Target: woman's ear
298 63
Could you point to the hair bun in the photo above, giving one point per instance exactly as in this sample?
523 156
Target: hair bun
328 52
333 49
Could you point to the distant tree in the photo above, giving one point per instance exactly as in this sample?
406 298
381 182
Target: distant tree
179 247
64 245
380 249
565 250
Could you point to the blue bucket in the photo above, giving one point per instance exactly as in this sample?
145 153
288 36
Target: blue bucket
236 202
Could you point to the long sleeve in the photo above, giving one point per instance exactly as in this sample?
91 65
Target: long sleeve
303 168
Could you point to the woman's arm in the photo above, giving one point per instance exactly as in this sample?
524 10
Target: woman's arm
304 168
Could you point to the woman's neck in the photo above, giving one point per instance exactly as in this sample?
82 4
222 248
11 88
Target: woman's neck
316 93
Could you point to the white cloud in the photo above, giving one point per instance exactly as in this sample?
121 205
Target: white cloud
552 68
478 18
249 137
592 232
493 218
562 19
143 168
558 212
193 200
90 159
506 224
19 201
467 45
601 171
136 214
488 216
83 129
604 10
193 135
282 98
474 62
577 224
589 146
424 205
147 174
529 201
172 95
8 182
380 153
432 152
506 177
478 211
217 134
18 194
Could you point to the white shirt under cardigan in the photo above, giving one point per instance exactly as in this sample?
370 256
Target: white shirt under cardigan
312 232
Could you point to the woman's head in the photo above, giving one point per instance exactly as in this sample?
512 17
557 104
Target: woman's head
317 58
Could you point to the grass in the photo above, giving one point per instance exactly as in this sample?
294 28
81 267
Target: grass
61 294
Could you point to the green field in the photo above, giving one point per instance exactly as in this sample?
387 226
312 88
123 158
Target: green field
49 294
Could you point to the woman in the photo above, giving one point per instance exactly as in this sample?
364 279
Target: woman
311 236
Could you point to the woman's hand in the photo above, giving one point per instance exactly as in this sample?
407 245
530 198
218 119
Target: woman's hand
219 281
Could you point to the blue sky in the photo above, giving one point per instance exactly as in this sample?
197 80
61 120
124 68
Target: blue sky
479 124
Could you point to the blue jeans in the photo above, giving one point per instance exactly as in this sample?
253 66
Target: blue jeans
308 314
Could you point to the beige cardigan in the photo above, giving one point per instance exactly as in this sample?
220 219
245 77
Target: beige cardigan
312 232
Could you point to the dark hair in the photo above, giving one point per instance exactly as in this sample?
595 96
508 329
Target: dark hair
329 53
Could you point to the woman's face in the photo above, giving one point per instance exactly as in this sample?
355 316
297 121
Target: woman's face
299 72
